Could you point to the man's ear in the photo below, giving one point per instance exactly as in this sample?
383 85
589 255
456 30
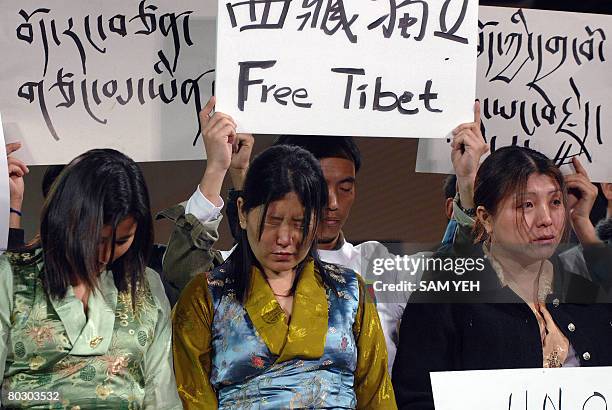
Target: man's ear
448 207
241 214
485 219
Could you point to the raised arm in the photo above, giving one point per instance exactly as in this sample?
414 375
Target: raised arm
190 250
581 198
597 253
17 169
467 148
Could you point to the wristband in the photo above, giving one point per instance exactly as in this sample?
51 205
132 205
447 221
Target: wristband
471 212
13 210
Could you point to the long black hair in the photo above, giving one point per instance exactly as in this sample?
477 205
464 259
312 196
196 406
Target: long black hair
274 173
100 187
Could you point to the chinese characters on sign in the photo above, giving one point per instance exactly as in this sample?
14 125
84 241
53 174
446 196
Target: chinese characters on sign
363 68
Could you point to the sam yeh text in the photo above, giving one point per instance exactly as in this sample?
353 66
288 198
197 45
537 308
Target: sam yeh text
428 286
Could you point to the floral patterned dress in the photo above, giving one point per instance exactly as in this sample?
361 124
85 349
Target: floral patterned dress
54 356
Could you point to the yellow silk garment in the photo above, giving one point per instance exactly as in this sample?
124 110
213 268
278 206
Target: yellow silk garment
303 336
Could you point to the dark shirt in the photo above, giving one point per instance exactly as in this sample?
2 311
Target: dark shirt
493 329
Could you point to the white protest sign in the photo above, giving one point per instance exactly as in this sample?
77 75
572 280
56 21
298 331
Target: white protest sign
579 388
544 82
130 75
358 67
4 193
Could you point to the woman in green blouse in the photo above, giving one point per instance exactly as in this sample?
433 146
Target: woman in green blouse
83 323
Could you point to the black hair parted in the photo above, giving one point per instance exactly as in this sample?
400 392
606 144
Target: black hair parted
276 172
100 187
325 146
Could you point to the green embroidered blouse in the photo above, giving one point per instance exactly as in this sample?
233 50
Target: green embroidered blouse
115 357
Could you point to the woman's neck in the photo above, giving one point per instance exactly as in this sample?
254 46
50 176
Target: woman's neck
529 279
514 265
82 292
280 281
282 286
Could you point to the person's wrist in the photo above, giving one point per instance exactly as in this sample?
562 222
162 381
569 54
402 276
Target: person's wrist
466 180
16 204
237 175
213 167
583 227
238 170
214 177
578 216
465 187
211 184
586 233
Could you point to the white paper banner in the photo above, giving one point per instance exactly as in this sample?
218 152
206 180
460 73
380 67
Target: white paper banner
543 81
4 193
358 67
123 74
586 388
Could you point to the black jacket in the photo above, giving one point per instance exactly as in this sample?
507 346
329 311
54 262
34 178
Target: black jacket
493 329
